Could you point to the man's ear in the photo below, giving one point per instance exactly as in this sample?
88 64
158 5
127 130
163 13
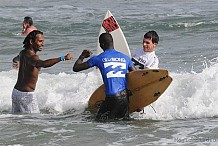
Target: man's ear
155 44
31 41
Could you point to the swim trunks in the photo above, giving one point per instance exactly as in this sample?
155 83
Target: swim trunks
114 107
24 102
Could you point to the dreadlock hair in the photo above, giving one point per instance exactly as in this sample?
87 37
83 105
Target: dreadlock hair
31 36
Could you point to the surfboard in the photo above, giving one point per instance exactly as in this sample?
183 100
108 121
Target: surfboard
145 87
111 26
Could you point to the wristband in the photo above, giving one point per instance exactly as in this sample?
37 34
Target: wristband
62 58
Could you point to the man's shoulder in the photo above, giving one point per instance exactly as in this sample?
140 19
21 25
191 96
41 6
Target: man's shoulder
27 53
138 52
119 53
29 29
32 27
152 54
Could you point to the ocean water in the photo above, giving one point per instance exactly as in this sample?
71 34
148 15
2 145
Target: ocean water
186 114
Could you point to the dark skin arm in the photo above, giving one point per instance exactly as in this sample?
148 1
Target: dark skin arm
79 64
16 62
35 61
30 65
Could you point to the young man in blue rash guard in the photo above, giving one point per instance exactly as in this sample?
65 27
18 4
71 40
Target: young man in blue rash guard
113 66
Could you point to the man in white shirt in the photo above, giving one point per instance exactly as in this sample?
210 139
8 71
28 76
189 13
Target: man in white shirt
146 57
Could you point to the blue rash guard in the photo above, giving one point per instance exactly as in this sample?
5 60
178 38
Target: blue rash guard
113 66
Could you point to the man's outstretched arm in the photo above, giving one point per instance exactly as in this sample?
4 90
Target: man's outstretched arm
79 64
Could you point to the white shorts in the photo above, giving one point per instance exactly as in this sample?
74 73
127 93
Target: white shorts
24 102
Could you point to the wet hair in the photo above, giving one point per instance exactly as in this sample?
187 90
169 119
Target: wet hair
106 39
152 35
28 20
31 36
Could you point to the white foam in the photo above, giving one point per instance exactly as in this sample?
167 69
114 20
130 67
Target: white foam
55 93
191 95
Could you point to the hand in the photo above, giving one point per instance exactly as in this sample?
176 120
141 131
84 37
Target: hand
86 53
24 26
69 56
15 65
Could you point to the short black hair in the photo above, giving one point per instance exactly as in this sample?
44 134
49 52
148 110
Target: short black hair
106 39
152 35
29 20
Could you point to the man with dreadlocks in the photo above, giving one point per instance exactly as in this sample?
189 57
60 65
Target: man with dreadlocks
23 99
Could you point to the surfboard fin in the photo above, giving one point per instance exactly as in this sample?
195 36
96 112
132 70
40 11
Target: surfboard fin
157 94
129 92
163 78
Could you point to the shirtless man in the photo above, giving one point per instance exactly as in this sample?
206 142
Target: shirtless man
27 28
23 99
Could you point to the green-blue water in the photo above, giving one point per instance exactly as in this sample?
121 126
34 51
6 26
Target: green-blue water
186 114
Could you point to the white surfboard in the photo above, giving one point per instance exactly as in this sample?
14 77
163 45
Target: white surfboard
110 25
